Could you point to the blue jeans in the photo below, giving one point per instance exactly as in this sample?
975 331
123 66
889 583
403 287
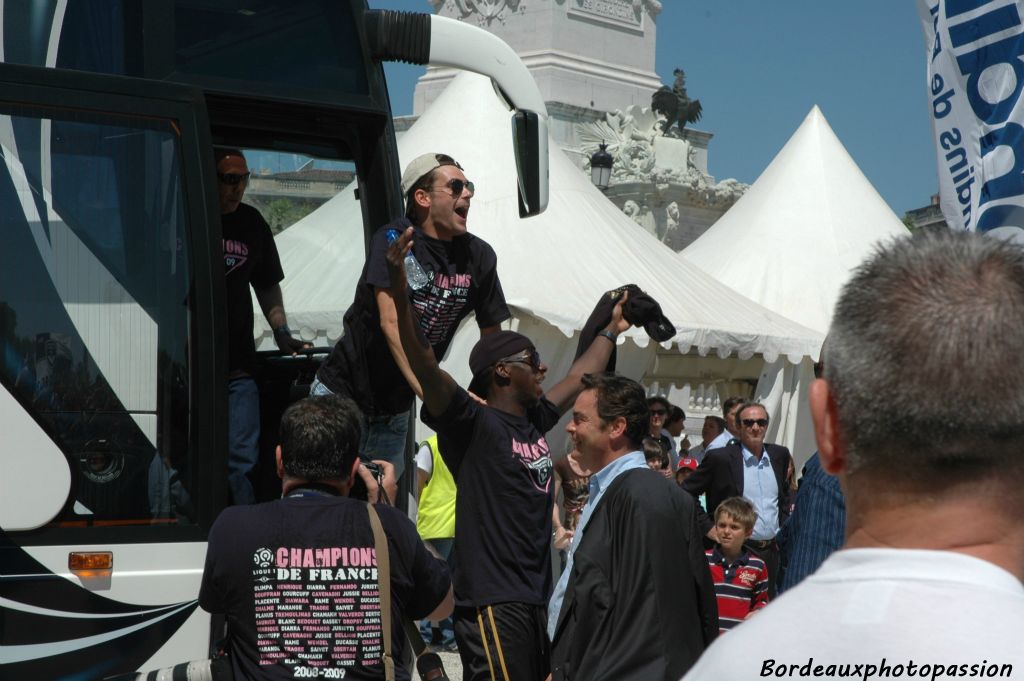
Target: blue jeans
243 437
383 436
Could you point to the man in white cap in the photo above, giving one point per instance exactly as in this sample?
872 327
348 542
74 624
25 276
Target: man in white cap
368 363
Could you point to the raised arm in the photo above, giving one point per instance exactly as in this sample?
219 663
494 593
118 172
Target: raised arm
437 386
389 327
595 359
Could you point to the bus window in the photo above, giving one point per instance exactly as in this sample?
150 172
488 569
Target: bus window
94 315
286 187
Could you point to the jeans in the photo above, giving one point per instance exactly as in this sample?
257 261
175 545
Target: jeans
383 436
444 548
243 437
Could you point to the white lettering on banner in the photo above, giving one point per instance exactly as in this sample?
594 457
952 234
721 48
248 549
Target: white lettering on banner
975 86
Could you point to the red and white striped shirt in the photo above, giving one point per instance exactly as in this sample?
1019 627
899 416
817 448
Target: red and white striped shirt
741 586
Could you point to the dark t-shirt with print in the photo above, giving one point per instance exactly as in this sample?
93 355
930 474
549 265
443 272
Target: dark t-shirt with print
297 579
464 279
250 257
503 471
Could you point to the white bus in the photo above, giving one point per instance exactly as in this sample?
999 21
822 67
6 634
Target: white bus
112 336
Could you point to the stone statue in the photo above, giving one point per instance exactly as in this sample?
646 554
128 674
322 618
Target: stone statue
672 214
671 220
631 208
675 104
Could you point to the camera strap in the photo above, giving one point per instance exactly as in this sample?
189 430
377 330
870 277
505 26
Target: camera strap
380 542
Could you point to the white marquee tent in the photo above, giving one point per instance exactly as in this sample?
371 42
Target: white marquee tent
553 267
791 243
794 238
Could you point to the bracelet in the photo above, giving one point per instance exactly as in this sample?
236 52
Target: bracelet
607 334
283 329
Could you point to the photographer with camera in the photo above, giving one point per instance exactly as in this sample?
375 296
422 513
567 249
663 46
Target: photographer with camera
308 584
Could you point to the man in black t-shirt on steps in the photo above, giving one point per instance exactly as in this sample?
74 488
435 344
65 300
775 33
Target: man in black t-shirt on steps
250 258
368 363
499 459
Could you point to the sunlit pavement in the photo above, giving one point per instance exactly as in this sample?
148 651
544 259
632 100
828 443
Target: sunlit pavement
452 665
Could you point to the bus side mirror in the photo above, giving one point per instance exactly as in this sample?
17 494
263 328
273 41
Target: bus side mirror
530 141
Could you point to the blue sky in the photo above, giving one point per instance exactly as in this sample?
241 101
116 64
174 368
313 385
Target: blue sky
758 67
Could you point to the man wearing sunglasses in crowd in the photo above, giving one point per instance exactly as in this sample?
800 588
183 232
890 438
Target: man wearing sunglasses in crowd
250 259
501 464
368 363
752 469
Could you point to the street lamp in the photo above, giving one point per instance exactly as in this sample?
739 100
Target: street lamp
601 167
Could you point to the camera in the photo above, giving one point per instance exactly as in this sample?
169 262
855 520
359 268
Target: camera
359 490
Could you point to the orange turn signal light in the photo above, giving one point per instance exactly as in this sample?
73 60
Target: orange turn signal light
90 560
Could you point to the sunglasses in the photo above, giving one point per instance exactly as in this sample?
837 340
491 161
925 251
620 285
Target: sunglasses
231 179
531 358
658 412
457 187
749 423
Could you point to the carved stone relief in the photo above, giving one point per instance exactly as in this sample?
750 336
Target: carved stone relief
486 11
627 12
643 156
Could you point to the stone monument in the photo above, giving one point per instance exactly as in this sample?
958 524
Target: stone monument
593 61
660 176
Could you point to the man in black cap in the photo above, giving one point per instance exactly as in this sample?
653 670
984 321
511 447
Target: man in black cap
499 458
461 277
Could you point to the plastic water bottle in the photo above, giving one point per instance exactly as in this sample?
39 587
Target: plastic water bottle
414 274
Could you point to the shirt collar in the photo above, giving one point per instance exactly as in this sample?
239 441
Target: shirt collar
604 477
750 459
718 557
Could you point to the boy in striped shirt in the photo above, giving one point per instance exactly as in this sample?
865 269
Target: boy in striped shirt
740 576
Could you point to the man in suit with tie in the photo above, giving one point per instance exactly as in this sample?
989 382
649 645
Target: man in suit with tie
754 470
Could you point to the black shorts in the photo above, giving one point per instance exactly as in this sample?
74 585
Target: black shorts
503 642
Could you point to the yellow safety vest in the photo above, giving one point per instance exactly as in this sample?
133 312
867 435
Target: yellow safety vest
436 516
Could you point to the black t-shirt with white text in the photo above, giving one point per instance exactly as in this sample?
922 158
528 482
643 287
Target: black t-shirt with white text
250 257
297 579
464 279
503 472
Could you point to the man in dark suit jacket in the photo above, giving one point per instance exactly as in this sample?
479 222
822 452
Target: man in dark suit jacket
754 470
636 601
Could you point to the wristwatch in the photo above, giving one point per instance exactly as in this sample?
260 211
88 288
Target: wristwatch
607 334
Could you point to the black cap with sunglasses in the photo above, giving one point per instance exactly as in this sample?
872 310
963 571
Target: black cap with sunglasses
493 347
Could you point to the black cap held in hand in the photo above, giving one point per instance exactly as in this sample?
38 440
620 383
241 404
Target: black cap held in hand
640 310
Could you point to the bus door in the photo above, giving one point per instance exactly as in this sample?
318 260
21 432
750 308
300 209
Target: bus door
111 372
